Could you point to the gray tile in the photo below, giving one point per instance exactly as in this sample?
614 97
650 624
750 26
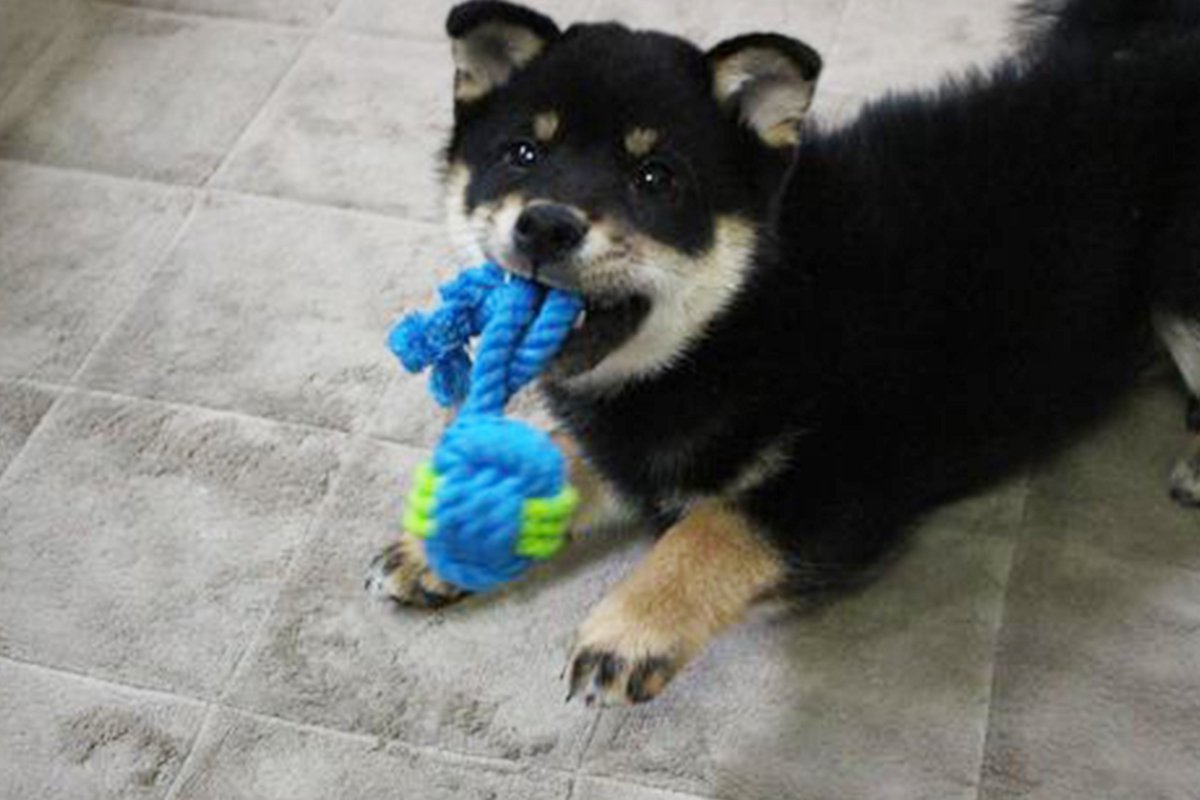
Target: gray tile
144 543
144 94
707 22
287 12
1109 490
240 757
276 309
482 677
21 409
831 110
1096 680
65 738
901 44
358 123
587 788
879 694
27 27
427 18
408 414
74 249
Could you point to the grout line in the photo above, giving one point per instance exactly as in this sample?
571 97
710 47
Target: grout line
436 36
494 762
91 172
67 389
587 743
270 96
75 21
625 780
139 288
208 17
33 62
187 406
346 450
212 706
216 705
105 683
210 712
97 174
1019 539
7 469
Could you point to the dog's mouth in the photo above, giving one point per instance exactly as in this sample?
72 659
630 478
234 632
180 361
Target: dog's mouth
608 320
606 323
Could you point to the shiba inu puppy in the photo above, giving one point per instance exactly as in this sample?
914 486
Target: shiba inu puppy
796 340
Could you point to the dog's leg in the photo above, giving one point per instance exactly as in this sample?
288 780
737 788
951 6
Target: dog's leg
401 572
1182 339
701 576
599 504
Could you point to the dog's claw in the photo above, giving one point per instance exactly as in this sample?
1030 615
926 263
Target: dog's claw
605 678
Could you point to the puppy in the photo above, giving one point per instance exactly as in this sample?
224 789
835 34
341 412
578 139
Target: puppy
796 341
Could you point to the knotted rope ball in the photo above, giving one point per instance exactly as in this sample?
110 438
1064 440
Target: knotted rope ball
494 499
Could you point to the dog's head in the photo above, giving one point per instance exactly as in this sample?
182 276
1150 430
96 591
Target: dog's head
629 166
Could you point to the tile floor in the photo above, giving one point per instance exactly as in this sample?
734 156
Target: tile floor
209 212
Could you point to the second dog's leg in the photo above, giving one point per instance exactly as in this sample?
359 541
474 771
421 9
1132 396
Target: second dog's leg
701 576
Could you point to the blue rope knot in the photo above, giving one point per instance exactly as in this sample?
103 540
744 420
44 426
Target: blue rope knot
501 498
488 468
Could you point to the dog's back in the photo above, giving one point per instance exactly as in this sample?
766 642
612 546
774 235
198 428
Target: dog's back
985 255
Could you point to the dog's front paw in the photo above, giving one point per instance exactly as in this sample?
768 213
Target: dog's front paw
400 573
621 659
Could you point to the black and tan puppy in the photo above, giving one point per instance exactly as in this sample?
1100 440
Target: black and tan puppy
797 341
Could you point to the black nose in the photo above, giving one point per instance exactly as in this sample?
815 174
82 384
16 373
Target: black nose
545 232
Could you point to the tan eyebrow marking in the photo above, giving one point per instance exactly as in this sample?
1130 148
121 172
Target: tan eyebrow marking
545 125
640 141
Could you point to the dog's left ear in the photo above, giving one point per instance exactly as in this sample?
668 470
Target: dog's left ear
491 41
767 81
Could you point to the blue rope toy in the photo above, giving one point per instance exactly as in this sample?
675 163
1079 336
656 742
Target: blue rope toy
494 499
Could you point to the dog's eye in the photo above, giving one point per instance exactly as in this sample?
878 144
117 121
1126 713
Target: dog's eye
653 177
523 153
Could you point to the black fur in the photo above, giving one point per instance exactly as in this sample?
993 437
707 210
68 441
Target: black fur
629 78
465 17
944 289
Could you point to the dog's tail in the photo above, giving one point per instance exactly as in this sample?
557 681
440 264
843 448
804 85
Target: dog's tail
1099 29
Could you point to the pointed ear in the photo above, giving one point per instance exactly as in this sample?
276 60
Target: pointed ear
491 41
767 82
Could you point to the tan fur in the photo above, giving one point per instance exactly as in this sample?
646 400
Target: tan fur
640 141
411 580
599 504
702 576
765 464
687 291
772 91
488 57
545 126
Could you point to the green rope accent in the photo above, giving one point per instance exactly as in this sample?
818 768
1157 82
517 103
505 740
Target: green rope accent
418 512
544 520
544 524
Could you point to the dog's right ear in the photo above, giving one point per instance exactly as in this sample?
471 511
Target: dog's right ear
766 81
491 41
